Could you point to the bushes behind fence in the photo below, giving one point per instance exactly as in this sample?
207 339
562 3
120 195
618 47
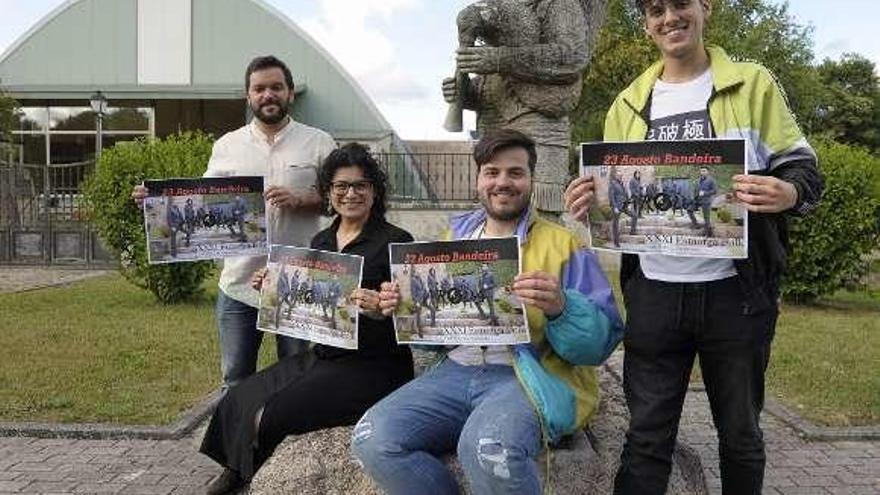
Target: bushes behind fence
120 222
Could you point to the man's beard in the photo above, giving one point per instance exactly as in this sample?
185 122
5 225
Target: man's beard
506 215
270 119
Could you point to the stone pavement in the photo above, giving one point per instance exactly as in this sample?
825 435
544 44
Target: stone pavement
16 279
76 466
69 466
794 466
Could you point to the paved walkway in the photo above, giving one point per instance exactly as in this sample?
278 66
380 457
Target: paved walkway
69 466
58 466
794 466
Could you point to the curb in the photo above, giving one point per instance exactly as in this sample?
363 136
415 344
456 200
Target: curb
808 430
186 423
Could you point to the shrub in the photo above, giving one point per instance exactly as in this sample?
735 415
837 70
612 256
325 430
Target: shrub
829 247
120 223
724 215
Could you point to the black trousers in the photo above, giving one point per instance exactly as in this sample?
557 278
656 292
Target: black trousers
298 394
668 325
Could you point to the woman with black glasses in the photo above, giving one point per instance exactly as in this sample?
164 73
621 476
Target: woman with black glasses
330 386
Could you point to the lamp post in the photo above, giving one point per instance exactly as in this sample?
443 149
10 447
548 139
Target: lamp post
99 107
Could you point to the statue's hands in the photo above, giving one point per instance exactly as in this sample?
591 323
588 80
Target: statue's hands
450 90
479 59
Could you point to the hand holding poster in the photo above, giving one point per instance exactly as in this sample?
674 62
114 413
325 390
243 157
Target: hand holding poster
305 294
667 197
203 219
458 292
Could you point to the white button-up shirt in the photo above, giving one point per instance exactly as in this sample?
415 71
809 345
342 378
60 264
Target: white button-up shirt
290 161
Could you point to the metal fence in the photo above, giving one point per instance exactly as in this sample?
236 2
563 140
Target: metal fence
43 218
429 179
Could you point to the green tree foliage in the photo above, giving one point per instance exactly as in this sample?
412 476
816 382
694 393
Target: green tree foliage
850 107
754 30
7 115
120 222
828 248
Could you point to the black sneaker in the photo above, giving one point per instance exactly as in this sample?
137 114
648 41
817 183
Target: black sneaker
227 483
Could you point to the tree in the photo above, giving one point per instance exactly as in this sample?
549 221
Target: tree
7 115
747 29
850 108
120 223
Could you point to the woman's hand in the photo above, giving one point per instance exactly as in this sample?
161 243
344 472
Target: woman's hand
389 298
258 278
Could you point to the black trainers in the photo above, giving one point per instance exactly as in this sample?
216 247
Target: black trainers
226 483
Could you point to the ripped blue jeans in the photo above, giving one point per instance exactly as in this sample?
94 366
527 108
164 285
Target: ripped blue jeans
479 412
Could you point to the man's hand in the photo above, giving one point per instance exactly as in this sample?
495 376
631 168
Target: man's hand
281 197
138 194
541 290
764 194
579 196
478 59
389 298
258 278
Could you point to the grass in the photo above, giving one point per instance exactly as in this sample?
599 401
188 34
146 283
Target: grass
825 362
826 359
104 351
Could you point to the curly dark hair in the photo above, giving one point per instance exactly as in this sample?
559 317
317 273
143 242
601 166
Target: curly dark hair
353 154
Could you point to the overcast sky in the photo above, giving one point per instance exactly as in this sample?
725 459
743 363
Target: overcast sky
399 50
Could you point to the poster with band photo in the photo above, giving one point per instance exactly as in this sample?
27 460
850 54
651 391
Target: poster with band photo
203 219
305 294
458 292
667 197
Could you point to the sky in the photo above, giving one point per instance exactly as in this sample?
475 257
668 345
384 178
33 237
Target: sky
400 50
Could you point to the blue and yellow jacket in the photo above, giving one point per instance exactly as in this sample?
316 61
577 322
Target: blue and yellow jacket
556 367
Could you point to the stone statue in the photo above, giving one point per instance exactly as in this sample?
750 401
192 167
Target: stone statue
527 57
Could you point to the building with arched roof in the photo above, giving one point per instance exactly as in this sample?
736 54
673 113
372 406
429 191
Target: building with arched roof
170 65
163 66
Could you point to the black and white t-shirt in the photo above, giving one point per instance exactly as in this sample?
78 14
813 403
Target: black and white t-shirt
679 111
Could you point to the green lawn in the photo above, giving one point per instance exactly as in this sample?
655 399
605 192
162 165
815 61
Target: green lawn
104 351
826 359
825 363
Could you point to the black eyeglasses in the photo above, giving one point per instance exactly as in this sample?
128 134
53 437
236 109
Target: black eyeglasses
341 187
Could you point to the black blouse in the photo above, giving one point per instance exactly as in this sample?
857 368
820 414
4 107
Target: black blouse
375 337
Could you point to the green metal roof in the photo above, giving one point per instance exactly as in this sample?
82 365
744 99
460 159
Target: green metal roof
88 45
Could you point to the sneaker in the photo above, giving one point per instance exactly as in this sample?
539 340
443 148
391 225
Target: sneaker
226 483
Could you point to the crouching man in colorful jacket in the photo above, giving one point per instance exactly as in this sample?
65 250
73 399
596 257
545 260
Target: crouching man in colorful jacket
498 406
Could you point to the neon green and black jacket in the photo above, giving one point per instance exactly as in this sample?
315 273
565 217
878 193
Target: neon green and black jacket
746 103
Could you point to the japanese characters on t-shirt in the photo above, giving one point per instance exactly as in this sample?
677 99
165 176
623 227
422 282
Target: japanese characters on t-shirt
679 111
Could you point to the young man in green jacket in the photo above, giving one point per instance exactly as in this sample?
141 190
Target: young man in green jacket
721 310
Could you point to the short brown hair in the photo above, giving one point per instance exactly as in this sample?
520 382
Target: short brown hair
502 139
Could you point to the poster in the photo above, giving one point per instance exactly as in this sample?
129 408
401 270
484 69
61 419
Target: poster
458 292
306 295
667 197
203 219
